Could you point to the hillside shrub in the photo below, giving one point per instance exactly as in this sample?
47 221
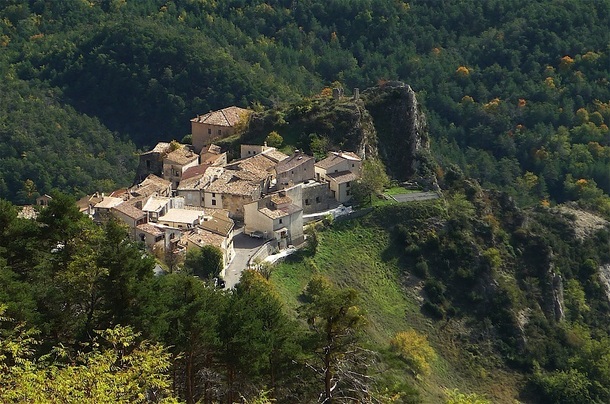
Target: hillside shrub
415 350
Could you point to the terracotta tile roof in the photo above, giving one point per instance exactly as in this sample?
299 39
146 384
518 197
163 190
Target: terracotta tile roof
218 223
108 202
161 148
155 204
150 229
281 212
192 172
275 155
224 117
150 186
259 165
157 182
203 237
181 156
343 176
120 193
291 162
198 182
213 149
228 183
129 211
280 200
335 158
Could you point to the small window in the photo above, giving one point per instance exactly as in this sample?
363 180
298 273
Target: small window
209 131
353 165
336 171
306 201
213 202
347 184
213 195
219 132
292 173
281 221
317 199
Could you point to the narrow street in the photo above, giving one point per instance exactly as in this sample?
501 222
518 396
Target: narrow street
245 246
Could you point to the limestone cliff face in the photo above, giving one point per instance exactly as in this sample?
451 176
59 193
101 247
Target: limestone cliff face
401 127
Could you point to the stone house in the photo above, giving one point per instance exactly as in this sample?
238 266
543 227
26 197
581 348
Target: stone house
278 217
231 191
43 200
130 215
216 229
152 185
340 170
214 125
177 162
213 156
150 235
294 169
194 182
151 162
317 197
181 218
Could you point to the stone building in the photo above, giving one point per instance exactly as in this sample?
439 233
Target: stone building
295 169
214 125
340 170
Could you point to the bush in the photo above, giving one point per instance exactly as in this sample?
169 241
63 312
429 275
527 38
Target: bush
274 139
415 350
421 269
433 310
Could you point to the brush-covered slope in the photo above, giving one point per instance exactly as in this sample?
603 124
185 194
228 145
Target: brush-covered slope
511 300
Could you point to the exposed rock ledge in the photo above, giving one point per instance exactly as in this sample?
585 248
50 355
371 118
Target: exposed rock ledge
585 223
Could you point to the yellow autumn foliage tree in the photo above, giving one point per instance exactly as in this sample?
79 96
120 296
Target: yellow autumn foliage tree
415 350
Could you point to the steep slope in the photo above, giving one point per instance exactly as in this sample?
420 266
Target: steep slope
385 122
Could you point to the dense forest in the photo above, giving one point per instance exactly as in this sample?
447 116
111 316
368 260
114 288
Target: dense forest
516 93
517 99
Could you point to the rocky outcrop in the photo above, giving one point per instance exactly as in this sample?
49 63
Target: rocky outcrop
401 128
385 121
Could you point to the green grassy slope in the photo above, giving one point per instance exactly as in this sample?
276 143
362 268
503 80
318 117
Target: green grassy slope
360 253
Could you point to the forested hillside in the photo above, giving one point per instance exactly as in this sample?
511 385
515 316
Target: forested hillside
501 287
516 93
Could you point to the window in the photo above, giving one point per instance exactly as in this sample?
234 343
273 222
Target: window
209 131
317 199
336 171
353 165
213 202
280 221
213 195
347 184
219 132
306 201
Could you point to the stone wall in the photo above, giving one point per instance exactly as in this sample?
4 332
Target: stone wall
317 197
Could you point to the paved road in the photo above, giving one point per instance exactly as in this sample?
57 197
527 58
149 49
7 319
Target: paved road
244 246
415 196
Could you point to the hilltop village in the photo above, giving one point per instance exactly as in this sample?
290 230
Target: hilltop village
187 196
